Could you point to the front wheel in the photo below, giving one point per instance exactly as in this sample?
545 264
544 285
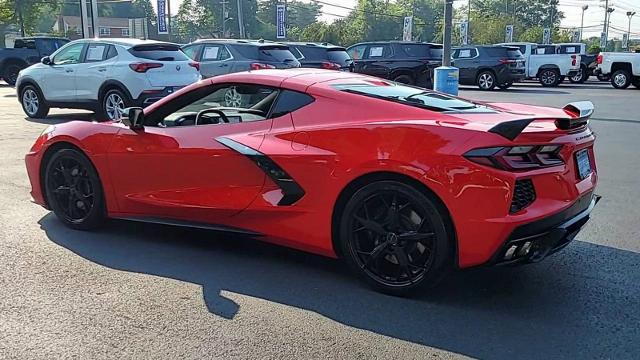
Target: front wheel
580 77
636 82
549 77
505 85
621 79
73 190
33 103
403 79
10 74
114 102
394 237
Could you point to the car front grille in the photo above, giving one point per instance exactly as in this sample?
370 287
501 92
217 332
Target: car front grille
523 195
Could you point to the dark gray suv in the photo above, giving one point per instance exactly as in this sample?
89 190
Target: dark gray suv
224 56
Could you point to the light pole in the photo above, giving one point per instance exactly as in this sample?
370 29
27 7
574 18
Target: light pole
584 8
629 15
607 23
446 38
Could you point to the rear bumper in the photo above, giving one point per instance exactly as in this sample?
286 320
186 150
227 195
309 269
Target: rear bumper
148 97
534 241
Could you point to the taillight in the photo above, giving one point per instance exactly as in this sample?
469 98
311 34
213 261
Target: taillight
507 61
330 66
599 59
574 60
514 158
195 65
143 67
260 66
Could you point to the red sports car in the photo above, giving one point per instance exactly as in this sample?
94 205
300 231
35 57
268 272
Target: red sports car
402 183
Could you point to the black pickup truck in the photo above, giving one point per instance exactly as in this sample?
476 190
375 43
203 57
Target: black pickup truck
26 51
402 61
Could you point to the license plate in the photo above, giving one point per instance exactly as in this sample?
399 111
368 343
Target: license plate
583 162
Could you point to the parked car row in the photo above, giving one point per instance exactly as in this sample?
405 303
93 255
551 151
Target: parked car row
622 68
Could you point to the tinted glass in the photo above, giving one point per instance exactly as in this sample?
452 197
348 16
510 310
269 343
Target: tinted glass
514 54
191 51
159 53
275 54
464 53
378 51
247 51
112 52
356 52
339 56
569 49
409 96
523 48
289 101
417 50
313 53
47 46
498 52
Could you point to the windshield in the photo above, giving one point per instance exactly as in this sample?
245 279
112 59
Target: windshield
159 52
411 96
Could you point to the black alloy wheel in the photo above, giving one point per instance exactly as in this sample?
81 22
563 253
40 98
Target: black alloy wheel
621 79
404 79
73 190
395 237
580 77
549 77
486 80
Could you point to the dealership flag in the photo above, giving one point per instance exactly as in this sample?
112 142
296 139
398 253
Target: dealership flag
508 33
546 36
603 40
407 28
281 30
162 20
464 32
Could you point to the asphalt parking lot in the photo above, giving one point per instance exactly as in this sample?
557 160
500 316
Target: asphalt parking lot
149 291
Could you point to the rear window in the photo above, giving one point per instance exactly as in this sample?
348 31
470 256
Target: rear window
569 49
159 52
410 96
313 53
272 53
422 50
339 56
496 51
514 54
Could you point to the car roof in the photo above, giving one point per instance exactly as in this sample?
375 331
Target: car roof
41 37
126 42
260 42
397 42
313 44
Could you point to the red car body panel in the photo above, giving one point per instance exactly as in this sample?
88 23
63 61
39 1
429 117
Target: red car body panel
184 173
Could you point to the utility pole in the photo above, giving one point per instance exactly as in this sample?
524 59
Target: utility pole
446 38
224 17
608 22
168 19
515 6
240 19
605 26
551 7
584 8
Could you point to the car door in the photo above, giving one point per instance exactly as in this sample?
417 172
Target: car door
378 60
60 81
98 59
356 53
215 59
466 60
180 170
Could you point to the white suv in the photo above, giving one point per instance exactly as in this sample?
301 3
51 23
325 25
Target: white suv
104 75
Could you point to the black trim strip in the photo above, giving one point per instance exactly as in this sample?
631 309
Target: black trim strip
511 129
291 190
189 224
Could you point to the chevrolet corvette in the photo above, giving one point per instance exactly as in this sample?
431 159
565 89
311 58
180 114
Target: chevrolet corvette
404 184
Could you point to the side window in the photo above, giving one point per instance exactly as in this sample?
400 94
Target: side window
69 55
112 52
228 104
378 51
465 53
211 52
296 52
191 51
96 52
357 52
289 101
224 53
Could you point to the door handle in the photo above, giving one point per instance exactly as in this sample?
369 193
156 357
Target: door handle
68 70
224 65
102 69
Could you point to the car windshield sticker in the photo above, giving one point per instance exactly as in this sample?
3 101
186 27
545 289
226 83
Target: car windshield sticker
465 53
210 53
571 50
375 51
95 52
540 51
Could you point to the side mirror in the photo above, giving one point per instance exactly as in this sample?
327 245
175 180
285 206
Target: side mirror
46 60
134 118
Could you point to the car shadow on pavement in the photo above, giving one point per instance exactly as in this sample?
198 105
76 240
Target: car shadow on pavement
62 118
554 309
517 90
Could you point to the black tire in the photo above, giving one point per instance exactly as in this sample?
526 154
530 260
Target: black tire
486 80
580 77
404 79
621 79
603 77
110 107
33 103
409 241
505 85
73 190
10 74
549 77
636 82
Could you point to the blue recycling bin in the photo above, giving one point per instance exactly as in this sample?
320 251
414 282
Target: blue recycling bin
446 79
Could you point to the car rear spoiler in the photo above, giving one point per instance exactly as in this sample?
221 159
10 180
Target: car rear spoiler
581 111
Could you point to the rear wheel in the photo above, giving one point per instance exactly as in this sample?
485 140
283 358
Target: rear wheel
114 102
621 79
73 190
580 77
403 79
603 77
394 237
549 77
486 80
636 82
33 103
